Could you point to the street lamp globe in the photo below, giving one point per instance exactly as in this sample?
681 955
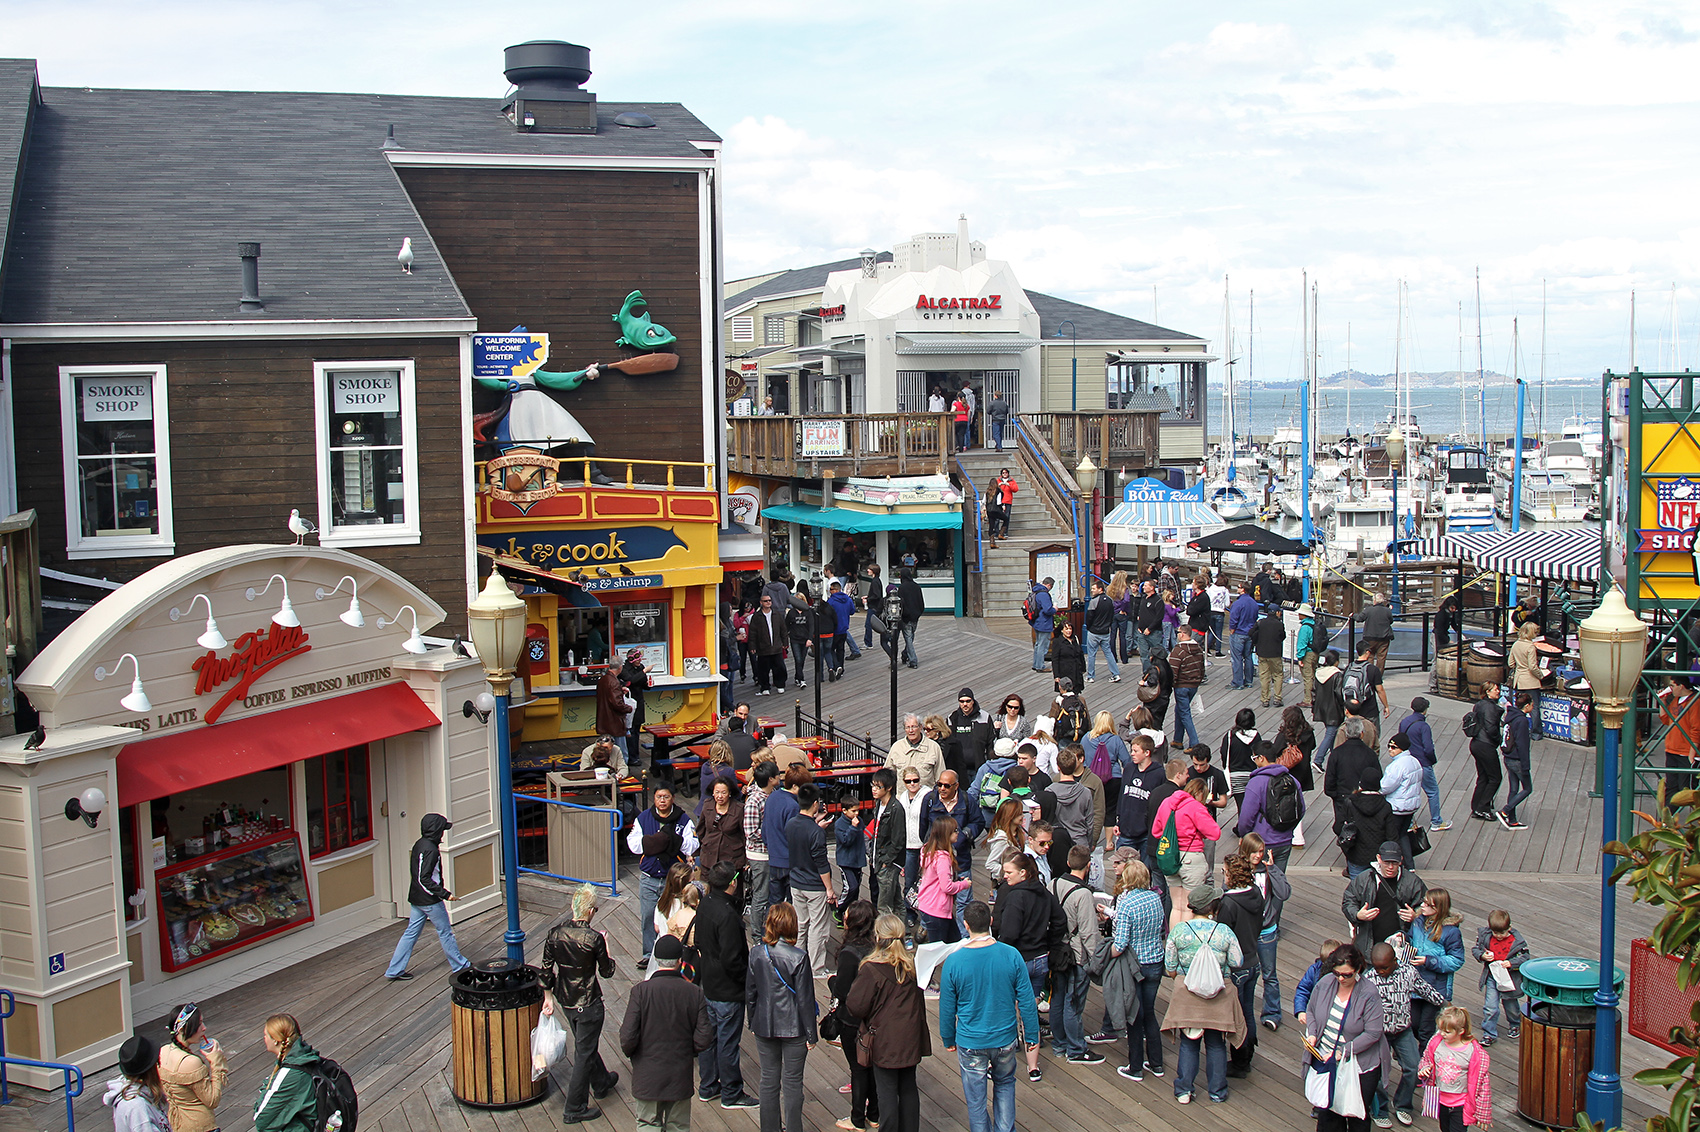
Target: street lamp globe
1086 474
1613 645
1396 449
496 623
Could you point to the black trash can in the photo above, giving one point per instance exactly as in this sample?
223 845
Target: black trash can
494 1006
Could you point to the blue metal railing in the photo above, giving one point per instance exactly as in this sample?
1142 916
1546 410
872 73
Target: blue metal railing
73 1075
979 534
616 821
1080 564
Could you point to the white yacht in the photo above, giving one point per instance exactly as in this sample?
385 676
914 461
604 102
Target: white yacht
1466 504
1553 497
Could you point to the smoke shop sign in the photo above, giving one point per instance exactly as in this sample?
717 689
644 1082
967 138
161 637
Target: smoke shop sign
556 549
117 398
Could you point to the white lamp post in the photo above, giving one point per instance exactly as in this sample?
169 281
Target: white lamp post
496 623
1395 461
1613 645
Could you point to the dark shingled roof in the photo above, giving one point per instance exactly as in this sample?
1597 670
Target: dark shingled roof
133 201
1092 324
17 103
799 279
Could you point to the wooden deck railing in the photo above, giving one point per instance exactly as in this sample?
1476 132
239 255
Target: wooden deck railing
1113 439
871 444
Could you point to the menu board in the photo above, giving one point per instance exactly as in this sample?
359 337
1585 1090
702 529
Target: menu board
211 906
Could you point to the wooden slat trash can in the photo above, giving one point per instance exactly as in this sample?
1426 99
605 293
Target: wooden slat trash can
494 1006
1556 1050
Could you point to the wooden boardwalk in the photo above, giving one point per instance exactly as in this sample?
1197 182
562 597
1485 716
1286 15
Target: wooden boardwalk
394 1037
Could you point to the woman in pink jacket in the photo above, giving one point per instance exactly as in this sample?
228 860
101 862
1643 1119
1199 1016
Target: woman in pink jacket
939 887
1193 827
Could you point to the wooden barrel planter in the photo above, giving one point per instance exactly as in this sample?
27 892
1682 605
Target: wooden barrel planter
494 1006
1481 664
1446 677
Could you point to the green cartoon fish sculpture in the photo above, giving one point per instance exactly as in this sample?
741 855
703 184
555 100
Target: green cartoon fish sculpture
636 331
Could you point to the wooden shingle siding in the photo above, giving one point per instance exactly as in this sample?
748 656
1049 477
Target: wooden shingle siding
557 251
242 448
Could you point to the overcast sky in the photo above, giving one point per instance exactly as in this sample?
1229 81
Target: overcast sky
1104 149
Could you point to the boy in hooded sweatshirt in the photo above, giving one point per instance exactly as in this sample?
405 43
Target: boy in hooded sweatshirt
425 895
1075 811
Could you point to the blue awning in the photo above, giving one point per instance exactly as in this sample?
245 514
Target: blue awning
845 519
1134 523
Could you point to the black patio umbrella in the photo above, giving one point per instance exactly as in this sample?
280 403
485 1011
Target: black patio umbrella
1249 539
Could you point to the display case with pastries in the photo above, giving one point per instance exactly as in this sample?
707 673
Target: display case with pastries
212 905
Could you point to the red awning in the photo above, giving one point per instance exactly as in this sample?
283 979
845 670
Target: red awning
170 764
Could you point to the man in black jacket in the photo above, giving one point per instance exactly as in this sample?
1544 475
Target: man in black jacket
767 645
1148 615
1029 919
890 844
971 735
914 605
1266 641
1100 625
718 932
1485 736
425 893
1347 762
574 955
665 1027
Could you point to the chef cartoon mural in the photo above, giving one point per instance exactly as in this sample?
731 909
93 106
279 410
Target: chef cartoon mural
529 415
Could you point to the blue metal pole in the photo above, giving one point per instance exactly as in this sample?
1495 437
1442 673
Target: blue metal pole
1517 481
1306 530
514 937
1604 1100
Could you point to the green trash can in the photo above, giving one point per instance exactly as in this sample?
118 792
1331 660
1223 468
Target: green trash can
1556 1051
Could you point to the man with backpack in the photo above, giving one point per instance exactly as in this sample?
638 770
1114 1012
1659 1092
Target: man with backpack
986 789
1041 613
1377 621
1273 807
1308 647
1069 986
1361 687
1268 637
575 959
1069 711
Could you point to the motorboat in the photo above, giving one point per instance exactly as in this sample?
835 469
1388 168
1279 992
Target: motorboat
1229 500
1553 497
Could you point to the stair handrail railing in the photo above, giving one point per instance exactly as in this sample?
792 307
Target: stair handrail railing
979 533
1050 479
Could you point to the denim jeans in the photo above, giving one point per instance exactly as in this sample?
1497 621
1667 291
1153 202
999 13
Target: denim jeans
889 881
1431 787
649 894
1218 621
717 1066
1039 973
588 1072
439 917
909 656
1070 999
1404 1045
997 435
1353 870
868 629
782 1082
778 888
1041 650
997 1065
1215 1045
1145 1033
1327 745
1183 716
1267 947
1245 986
1239 645
1094 643
1522 785
1150 645
1492 999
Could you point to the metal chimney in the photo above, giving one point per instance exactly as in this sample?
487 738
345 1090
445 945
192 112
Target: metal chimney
250 253
548 76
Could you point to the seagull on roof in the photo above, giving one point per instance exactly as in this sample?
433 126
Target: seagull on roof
405 256
300 527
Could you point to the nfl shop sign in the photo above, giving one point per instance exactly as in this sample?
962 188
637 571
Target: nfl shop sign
1678 516
823 438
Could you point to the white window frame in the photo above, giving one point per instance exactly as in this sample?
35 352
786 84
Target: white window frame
78 545
387 534
773 330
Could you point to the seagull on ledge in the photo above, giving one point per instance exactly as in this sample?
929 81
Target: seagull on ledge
300 527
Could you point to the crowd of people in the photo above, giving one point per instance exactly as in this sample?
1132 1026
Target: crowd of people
1019 854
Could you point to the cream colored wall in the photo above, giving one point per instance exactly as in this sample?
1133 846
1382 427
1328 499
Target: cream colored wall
1181 442
786 305
17 887
1055 381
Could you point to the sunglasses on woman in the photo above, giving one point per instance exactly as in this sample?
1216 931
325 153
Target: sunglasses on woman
911 780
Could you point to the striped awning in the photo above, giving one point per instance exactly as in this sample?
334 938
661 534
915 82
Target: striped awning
1564 555
1145 524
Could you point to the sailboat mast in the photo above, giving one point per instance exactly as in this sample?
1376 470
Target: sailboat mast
1398 356
1481 370
1462 417
1543 422
1348 381
1315 369
1228 353
1632 331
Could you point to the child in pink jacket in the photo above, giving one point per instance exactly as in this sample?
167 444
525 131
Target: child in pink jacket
937 903
1458 1065
1193 827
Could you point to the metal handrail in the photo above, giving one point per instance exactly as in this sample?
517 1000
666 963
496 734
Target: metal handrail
8 1004
73 1083
979 533
1024 435
616 821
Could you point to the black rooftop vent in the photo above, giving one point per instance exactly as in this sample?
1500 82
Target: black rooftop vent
635 120
548 75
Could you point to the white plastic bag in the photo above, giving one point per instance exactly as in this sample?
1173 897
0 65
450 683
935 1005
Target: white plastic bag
1319 1087
548 1043
1502 979
1348 1093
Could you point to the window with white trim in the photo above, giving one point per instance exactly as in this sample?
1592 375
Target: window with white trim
367 453
115 435
743 328
773 330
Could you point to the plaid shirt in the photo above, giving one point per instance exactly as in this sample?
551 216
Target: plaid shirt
1139 924
1397 990
755 804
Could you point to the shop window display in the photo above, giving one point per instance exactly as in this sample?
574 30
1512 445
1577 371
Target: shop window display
219 903
339 801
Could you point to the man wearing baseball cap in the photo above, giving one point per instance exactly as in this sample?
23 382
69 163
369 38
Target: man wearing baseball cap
1382 901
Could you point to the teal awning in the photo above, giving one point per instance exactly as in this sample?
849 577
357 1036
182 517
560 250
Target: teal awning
844 519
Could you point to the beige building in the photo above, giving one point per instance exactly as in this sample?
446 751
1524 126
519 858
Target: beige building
865 335
261 730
